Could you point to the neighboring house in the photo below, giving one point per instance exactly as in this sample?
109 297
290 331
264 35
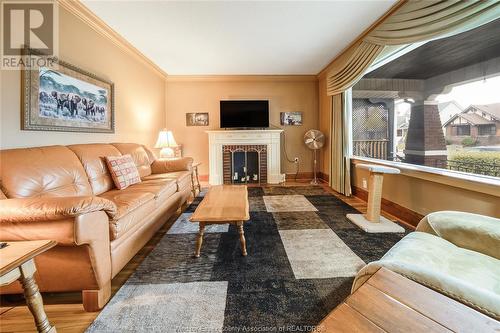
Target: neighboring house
478 121
448 110
401 132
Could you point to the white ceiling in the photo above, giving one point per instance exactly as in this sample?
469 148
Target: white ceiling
240 37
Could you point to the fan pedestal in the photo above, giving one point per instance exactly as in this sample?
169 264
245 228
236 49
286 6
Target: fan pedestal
314 181
314 140
372 222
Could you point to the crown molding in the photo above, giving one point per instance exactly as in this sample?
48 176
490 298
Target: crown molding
391 10
78 9
241 78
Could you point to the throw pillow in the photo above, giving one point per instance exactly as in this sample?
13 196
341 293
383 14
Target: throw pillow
123 171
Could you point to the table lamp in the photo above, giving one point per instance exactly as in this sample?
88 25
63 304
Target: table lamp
166 142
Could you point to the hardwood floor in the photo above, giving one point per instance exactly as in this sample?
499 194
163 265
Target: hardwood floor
65 311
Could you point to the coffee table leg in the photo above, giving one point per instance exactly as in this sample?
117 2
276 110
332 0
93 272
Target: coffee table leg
34 299
199 240
243 242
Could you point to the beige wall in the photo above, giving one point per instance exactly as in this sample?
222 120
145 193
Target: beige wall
186 95
139 91
424 196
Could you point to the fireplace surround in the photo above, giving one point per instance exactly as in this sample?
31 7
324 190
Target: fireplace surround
224 143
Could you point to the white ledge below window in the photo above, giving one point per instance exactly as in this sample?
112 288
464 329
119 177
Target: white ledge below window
477 183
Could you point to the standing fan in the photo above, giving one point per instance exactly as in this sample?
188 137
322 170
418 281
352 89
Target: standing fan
314 140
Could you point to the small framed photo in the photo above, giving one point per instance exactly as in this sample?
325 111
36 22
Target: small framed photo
291 118
197 119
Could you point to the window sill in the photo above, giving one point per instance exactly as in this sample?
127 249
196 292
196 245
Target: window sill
477 183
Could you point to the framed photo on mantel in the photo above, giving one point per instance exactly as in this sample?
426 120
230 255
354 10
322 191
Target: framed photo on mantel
66 98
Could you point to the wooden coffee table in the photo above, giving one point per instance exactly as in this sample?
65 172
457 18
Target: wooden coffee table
223 204
17 263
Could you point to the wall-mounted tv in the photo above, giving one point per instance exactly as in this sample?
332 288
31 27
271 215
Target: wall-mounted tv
244 114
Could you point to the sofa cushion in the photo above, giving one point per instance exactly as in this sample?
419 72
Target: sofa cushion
467 276
182 178
126 200
157 187
139 155
132 206
92 158
470 231
42 172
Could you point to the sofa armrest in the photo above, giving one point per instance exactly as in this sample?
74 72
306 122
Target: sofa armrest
52 208
167 165
466 230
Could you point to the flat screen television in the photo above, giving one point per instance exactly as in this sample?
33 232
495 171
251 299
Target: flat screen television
244 114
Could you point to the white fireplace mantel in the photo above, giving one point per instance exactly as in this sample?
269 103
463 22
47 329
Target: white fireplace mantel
269 137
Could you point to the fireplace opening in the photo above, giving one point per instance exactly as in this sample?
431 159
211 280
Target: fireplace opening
245 164
245 167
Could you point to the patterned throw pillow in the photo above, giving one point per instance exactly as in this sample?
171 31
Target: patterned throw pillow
123 171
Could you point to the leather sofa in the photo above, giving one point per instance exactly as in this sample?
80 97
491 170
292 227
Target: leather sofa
66 194
454 253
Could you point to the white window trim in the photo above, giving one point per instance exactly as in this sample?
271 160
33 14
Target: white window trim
468 181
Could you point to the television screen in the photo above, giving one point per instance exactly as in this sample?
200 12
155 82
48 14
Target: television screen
244 114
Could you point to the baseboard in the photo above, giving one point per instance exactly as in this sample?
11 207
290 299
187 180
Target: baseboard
300 175
324 176
409 216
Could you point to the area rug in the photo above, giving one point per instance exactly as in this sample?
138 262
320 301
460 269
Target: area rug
303 255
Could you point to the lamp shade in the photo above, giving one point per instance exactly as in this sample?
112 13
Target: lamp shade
166 140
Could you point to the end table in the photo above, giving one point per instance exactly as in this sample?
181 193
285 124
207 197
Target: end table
195 181
17 263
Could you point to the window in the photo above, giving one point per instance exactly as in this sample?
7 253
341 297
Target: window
489 129
411 109
463 130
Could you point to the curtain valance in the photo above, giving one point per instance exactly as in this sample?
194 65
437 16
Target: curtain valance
417 21
414 21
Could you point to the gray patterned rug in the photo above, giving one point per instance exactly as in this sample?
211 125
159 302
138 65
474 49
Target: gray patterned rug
302 256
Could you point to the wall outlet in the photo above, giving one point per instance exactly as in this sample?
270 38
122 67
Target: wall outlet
365 184
296 160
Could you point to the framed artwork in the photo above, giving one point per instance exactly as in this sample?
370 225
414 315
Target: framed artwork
197 119
66 98
291 118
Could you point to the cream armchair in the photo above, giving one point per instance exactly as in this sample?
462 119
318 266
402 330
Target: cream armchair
454 253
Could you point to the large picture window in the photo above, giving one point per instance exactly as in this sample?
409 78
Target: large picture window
437 105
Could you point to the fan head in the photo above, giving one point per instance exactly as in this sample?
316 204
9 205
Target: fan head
314 139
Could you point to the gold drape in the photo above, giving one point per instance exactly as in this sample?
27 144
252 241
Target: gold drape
340 179
355 65
415 21
418 21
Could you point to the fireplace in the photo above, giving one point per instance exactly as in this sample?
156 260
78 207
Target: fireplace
244 164
253 154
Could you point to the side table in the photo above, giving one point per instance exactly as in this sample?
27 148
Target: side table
195 181
16 263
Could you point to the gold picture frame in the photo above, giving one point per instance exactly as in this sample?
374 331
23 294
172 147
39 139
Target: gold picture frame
66 98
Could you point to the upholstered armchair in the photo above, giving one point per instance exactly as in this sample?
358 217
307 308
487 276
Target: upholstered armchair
454 253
